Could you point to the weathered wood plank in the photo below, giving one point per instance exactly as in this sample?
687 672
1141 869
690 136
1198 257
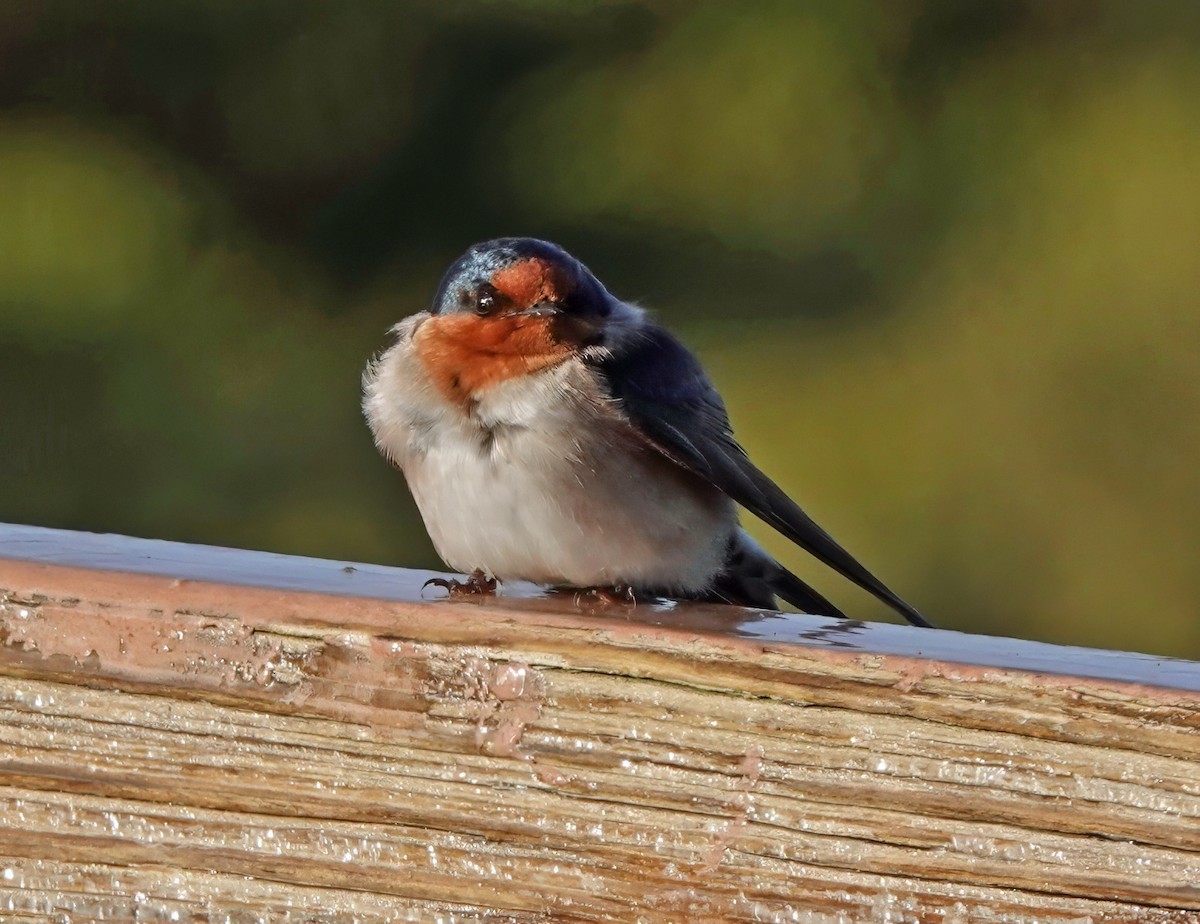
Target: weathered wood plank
277 747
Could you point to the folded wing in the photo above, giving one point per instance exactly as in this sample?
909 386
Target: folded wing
671 403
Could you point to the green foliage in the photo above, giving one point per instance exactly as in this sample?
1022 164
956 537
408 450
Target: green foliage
940 257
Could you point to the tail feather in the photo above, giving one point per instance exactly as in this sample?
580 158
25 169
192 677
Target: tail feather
801 595
751 577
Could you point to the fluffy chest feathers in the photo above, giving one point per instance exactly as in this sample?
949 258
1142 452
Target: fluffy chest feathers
535 475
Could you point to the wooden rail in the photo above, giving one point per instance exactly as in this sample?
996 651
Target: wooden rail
200 734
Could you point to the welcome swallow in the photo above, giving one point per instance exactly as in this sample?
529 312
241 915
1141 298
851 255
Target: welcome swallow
551 432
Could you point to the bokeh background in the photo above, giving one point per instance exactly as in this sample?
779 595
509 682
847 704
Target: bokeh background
942 258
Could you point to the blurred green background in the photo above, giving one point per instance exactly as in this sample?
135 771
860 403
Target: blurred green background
941 258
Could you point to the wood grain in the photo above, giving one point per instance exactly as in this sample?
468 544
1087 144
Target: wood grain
225 752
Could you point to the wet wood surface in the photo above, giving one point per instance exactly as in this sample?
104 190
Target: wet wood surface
201 734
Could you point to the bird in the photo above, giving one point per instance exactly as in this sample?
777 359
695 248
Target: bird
554 433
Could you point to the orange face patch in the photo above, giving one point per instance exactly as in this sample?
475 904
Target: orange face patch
464 353
528 282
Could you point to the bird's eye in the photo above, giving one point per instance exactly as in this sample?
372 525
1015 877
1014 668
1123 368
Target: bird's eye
485 300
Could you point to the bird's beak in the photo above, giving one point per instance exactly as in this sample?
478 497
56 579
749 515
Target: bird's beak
537 310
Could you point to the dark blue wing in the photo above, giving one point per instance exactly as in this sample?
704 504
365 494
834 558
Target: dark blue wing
671 402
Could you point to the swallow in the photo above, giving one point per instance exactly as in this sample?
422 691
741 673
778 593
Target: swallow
553 433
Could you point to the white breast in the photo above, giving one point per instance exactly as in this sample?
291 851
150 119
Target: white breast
542 481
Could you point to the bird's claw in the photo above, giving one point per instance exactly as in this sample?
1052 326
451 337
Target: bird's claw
622 595
477 584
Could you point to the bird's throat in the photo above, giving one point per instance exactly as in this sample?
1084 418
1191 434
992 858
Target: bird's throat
464 354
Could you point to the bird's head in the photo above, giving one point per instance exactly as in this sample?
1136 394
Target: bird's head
514 277
509 307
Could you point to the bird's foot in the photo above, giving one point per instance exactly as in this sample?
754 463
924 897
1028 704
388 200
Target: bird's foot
619 595
477 584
